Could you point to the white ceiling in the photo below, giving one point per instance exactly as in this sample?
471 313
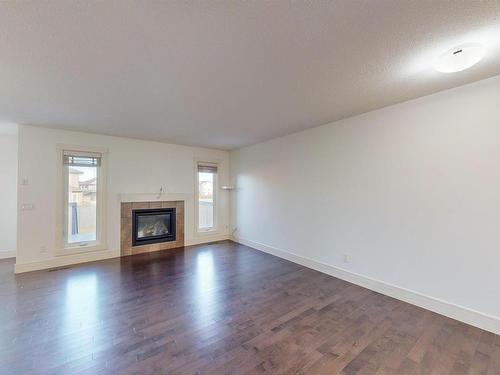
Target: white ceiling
226 74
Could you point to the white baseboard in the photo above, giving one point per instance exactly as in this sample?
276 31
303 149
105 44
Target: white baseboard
62 261
99 255
451 310
4 254
206 239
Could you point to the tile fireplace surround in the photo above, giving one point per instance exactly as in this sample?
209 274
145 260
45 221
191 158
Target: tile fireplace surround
126 247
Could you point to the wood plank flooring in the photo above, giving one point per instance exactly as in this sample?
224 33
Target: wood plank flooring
222 309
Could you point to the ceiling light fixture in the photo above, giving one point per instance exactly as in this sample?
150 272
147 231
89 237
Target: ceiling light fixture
460 58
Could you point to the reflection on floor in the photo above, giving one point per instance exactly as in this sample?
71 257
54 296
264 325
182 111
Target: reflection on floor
217 309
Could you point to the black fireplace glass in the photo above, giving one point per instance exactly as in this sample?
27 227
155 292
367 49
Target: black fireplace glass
153 226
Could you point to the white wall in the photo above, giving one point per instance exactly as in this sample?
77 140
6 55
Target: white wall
410 193
134 166
8 193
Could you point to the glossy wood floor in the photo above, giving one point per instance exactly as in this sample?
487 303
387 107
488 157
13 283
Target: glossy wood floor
222 309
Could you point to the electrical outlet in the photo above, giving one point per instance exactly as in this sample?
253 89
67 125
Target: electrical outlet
43 249
346 258
27 206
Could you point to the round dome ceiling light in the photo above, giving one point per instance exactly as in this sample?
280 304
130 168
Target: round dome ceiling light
460 58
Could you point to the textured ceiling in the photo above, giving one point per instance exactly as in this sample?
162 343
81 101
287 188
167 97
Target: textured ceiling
226 74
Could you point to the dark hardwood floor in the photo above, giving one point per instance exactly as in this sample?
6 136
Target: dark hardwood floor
222 309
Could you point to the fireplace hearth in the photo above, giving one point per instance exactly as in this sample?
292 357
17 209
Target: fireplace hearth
151 226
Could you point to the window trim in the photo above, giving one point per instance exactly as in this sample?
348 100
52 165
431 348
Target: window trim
215 229
100 244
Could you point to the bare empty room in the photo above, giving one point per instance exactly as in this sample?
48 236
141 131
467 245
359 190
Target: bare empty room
250 187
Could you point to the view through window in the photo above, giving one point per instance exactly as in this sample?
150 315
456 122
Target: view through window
207 174
82 178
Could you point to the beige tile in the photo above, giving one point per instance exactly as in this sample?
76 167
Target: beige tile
127 241
168 245
126 224
126 209
155 247
140 250
179 230
126 252
168 204
155 204
140 205
125 234
179 240
179 219
125 227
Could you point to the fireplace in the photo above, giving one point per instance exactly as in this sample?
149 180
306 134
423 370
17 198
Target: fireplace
136 215
153 226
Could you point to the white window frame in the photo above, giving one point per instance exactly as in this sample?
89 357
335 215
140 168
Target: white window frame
215 229
100 244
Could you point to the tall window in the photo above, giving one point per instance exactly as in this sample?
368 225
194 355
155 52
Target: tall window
82 196
207 182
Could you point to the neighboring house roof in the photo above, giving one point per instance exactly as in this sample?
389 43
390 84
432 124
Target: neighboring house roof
74 171
88 182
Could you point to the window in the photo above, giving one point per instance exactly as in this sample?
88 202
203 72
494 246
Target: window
207 182
82 191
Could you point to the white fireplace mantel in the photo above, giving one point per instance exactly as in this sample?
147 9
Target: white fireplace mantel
154 197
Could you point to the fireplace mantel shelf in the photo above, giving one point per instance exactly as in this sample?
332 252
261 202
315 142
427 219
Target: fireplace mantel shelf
153 197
